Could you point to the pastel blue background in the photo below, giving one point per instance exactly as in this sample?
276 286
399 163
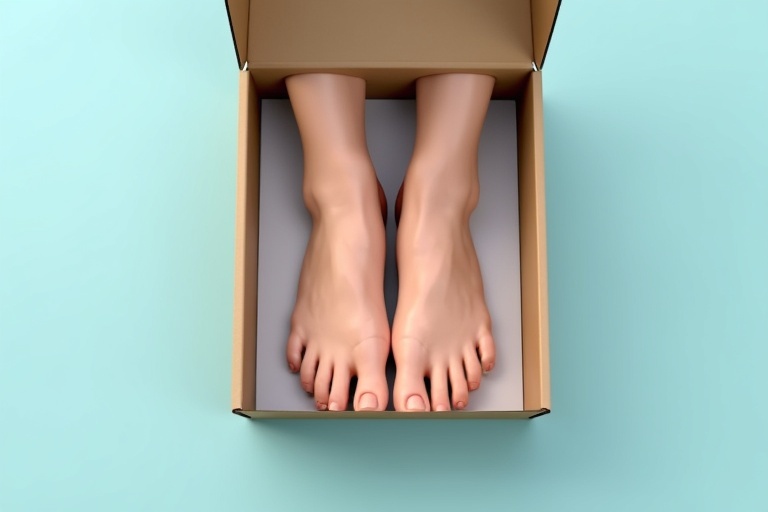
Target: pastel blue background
117 157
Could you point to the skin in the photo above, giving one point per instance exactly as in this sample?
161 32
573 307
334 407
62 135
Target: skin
442 328
339 328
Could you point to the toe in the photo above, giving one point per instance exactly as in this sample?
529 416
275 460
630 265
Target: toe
322 384
459 392
410 393
293 351
308 371
339 396
487 351
438 381
472 369
372 393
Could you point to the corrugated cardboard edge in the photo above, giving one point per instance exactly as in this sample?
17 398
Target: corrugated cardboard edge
543 18
393 415
246 250
238 12
533 247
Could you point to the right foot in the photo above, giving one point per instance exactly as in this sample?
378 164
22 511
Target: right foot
339 326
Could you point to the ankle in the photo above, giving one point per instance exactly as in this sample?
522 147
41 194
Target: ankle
341 185
434 195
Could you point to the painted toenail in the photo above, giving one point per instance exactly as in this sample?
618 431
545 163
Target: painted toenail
368 401
321 407
415 403
460 405
441 408
333 407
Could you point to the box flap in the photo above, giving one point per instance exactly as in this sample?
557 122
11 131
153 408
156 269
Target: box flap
543 17
238 11
543 14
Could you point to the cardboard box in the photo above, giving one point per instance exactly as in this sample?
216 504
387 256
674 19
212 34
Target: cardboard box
391 43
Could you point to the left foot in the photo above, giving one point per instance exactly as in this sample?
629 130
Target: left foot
442 328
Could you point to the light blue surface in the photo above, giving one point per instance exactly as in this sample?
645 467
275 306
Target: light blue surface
117 154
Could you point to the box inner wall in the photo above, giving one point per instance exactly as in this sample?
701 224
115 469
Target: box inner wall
390 31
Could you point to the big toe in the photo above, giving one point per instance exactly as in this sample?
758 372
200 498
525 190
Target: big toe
410 392
372 393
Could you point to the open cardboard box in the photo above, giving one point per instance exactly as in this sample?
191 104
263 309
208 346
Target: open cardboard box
391 43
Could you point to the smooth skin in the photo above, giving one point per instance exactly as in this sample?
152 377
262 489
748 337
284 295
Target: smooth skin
442 328
339 328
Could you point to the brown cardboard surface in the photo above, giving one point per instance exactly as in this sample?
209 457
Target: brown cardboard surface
390 31
246 248
543 17
237 10
533 246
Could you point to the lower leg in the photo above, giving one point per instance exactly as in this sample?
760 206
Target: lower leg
339 325
330 113
442 322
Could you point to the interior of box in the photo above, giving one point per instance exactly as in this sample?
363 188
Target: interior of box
535 367
390 43
285 227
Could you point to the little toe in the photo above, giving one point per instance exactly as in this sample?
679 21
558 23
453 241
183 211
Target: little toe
322 384
337 401
308 371
473 371
293 352
459 391
410 393
487 351
438 381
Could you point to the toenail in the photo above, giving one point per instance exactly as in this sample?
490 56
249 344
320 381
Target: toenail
321 407
488 367
415 403
291 367
333 407
441 408
460 405
474 385
368 401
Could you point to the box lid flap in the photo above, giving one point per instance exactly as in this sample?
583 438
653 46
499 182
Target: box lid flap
237 10
543 17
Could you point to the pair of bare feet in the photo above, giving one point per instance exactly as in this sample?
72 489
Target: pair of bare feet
339 326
